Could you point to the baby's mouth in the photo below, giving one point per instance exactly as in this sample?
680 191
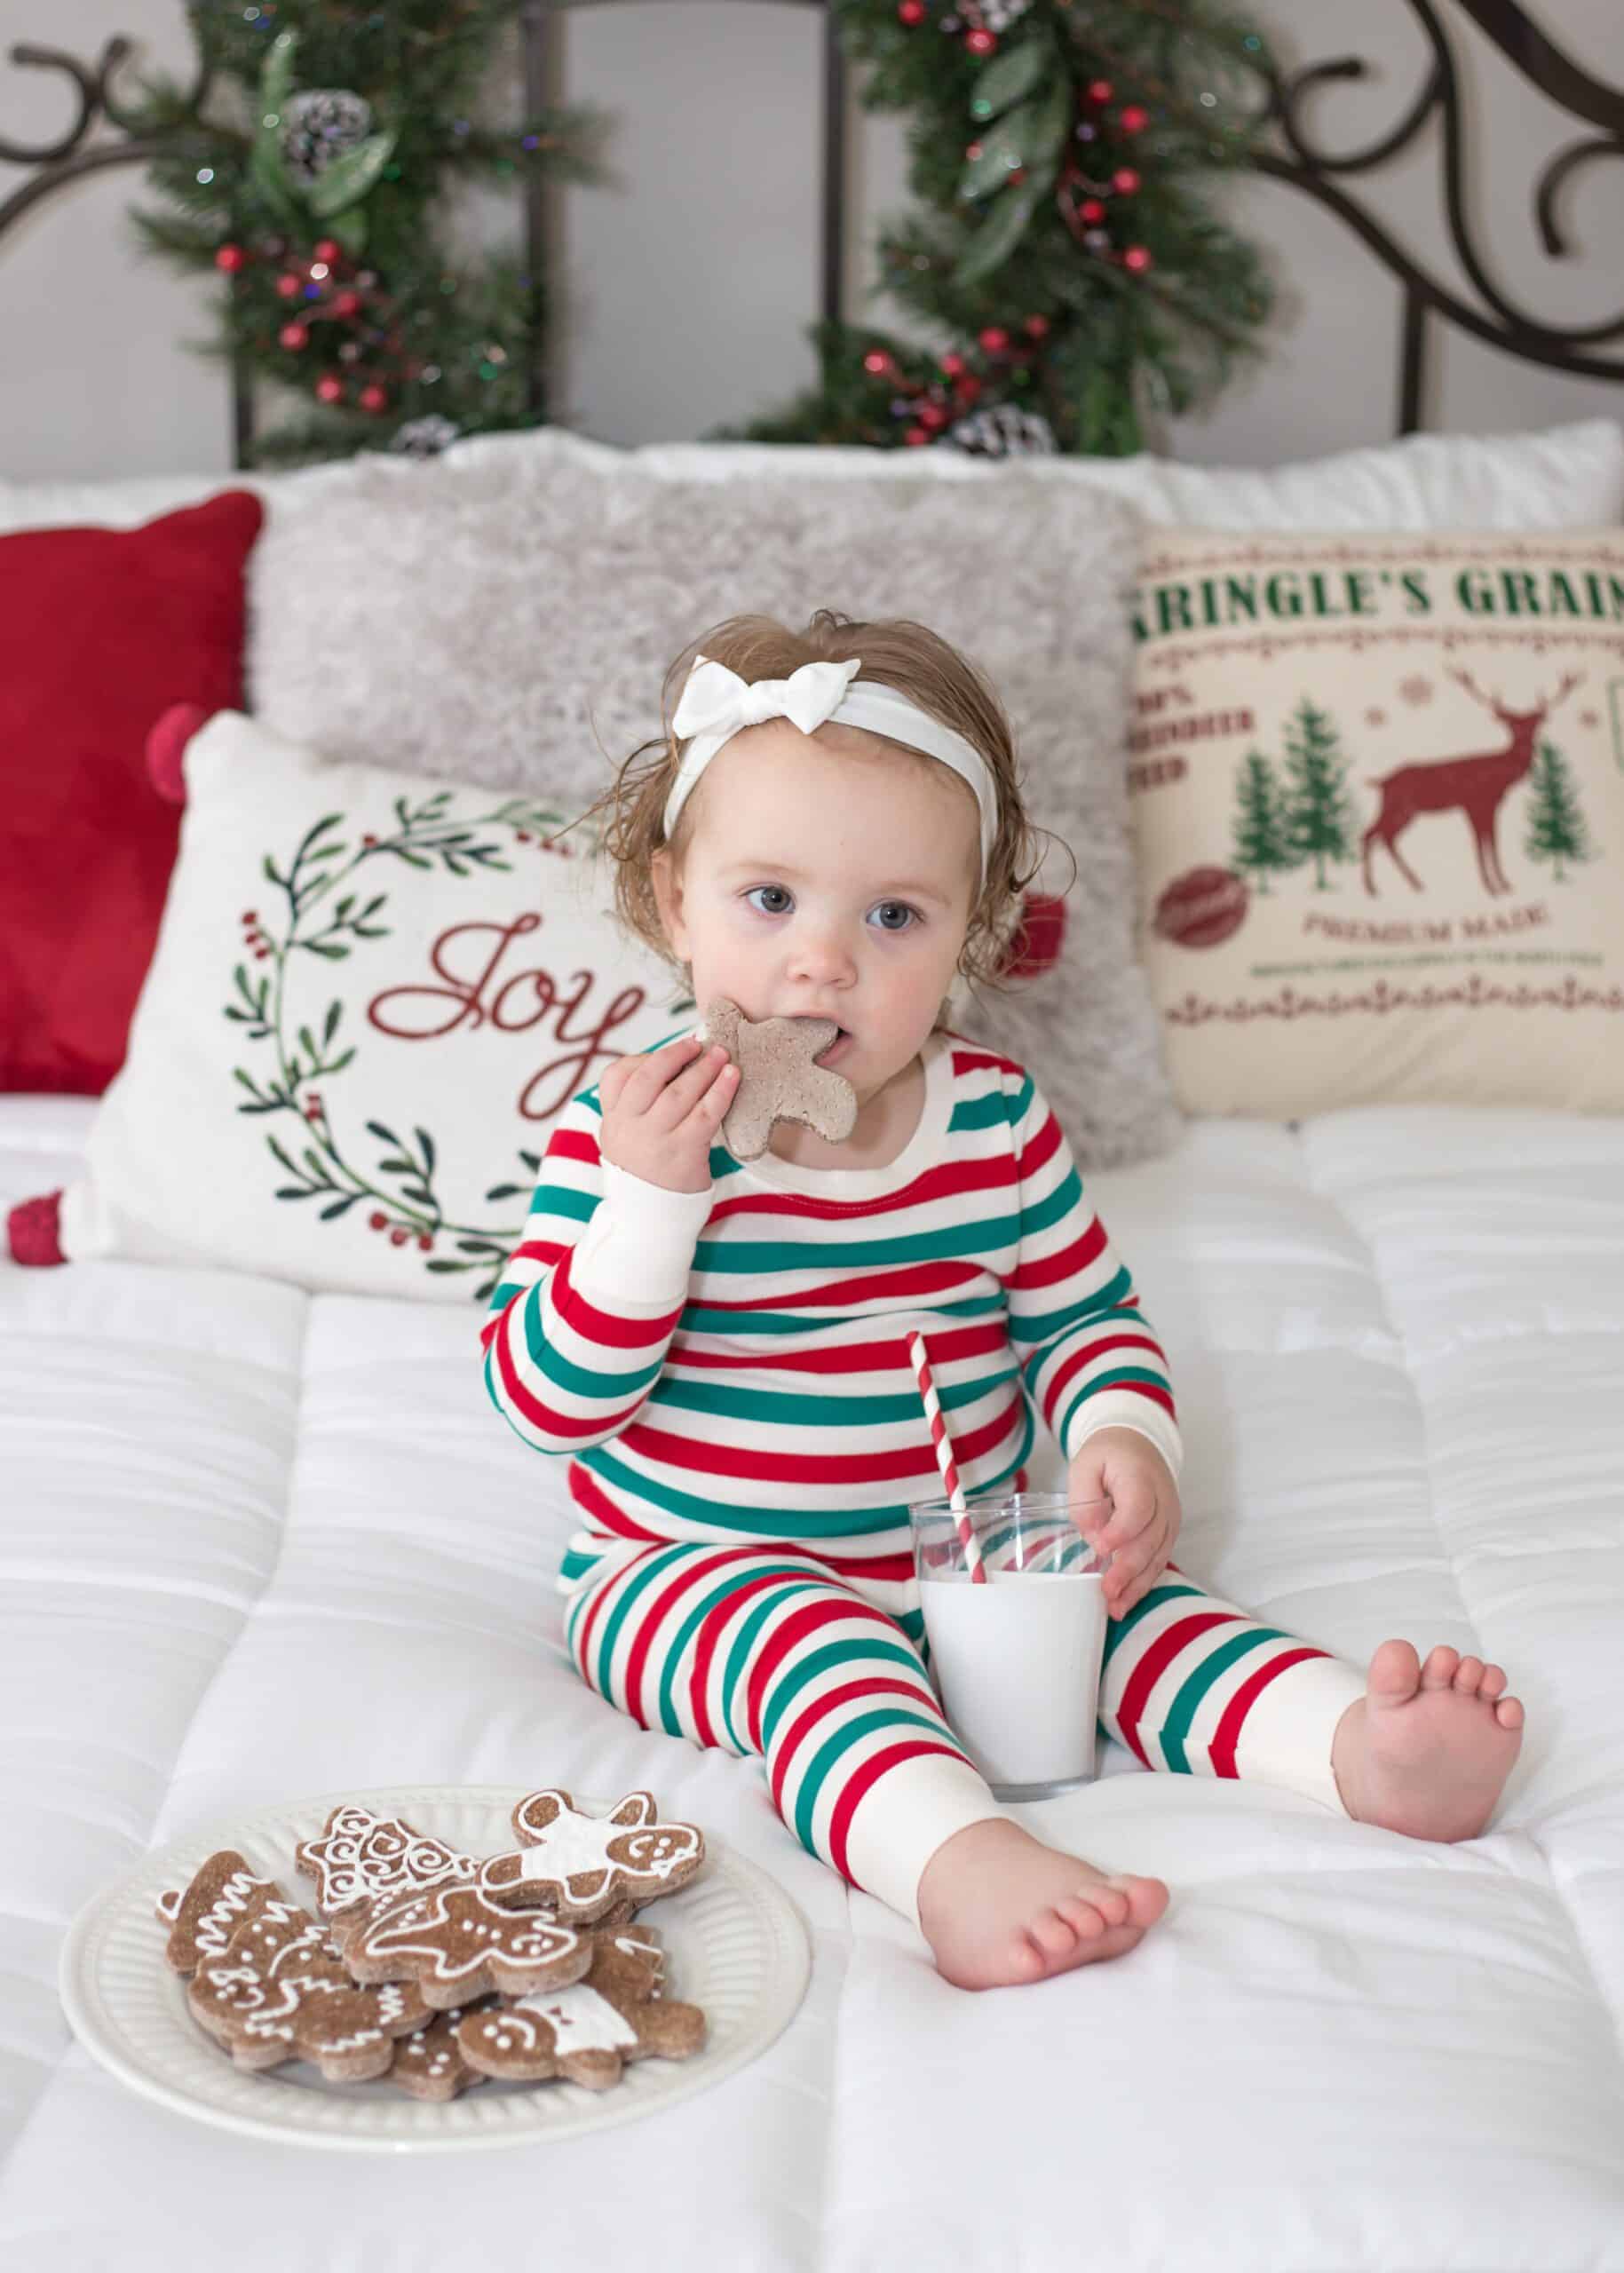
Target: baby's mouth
835 1048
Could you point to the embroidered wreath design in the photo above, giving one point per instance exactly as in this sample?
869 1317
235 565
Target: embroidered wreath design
320 917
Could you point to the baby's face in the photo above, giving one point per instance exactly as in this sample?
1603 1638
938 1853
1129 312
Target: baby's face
828 878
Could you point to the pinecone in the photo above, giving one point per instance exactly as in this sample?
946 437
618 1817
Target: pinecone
425 437
1002 430
319 126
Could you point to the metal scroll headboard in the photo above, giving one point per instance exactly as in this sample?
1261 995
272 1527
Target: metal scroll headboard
1290 153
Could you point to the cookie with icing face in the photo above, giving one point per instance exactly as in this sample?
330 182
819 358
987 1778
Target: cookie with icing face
362 1858
580 1866
203 1916
589 2032
455 1943
281 1992
778 1079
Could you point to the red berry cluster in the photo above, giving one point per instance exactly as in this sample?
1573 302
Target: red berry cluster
398 1233
1083 196
254 939
332 291
931 405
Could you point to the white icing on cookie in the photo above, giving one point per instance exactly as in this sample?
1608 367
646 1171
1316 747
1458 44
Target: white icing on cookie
581 2020
575 1845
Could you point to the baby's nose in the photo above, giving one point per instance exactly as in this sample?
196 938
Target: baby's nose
822 957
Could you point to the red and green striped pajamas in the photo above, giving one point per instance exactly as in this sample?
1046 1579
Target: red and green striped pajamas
730 1373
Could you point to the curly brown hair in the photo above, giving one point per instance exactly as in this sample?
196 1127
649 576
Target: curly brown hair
893 651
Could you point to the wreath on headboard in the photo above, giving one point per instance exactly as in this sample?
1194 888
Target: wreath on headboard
1064 248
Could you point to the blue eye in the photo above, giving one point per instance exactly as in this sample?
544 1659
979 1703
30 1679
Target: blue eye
895 916
781 902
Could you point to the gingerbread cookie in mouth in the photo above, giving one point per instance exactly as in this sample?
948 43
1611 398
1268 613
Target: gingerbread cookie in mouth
779 1078
580 1866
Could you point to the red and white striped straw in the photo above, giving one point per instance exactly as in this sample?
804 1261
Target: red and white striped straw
943 1445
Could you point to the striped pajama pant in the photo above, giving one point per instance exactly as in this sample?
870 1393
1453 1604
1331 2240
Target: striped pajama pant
765 1652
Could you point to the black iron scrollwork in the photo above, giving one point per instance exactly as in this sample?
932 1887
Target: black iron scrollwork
1497 319
72 156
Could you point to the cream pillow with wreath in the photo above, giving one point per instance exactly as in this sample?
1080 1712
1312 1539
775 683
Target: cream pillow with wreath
1378 796
372 996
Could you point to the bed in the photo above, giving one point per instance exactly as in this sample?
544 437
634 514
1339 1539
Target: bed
260 1544
244 1524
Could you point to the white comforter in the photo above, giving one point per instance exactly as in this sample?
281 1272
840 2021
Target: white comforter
258 1547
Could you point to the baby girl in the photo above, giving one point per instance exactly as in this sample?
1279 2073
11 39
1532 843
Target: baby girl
831 828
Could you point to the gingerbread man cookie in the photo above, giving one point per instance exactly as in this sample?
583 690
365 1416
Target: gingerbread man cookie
281 1992
455 1943
777 1080
203 1916
589 2031
581 1865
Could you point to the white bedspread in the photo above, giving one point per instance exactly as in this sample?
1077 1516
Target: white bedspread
258 1547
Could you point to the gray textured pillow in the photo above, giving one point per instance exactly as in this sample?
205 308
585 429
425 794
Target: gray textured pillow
513 626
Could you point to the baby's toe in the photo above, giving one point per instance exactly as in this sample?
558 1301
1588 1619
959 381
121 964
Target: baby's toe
1052 1935
1509 1712
1494 1680
1468 1674
1088 1919
1438 1671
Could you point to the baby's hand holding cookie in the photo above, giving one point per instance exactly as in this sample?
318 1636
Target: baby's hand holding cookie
661 1112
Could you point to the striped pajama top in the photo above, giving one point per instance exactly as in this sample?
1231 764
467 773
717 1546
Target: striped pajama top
732 1366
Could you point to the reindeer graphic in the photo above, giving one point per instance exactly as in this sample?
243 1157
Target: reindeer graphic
1478 784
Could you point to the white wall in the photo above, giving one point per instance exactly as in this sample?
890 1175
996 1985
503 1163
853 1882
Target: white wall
687 286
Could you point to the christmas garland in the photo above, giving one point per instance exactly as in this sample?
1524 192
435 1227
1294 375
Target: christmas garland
1063 248
307 177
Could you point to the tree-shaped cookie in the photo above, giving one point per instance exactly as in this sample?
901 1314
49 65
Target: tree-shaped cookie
581 1865
360 1857
777 1080
588 2032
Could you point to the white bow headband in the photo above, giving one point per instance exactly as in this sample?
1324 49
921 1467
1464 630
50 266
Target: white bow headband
716 704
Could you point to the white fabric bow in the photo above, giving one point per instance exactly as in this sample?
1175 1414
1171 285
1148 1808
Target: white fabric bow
716 704
717 701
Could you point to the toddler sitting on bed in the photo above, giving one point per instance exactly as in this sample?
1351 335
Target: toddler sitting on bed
831 828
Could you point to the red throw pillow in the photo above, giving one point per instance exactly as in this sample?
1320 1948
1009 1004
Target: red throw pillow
101 630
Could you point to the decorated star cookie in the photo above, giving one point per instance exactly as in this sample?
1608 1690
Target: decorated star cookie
589 2031
203 1916
456 1945
581 1865
777 1080
281 1992
362 1858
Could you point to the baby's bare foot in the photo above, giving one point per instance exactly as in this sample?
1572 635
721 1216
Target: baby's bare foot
998 1907
1427 1749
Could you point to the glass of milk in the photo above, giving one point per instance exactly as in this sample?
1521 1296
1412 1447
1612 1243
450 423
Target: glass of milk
1016 1660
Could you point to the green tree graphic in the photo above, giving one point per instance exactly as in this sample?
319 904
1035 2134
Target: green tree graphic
1318 818
1261 840
1556 830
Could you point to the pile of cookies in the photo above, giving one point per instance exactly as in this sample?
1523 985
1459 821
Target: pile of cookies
438 1969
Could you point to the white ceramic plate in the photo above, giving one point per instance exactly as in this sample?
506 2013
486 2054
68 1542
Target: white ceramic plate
734 1945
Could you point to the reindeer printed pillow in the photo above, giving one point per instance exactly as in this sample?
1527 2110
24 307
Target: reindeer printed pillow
1378 787
372 996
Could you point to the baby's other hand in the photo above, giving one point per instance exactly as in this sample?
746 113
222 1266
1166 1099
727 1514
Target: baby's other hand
660 1113
1124 1467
